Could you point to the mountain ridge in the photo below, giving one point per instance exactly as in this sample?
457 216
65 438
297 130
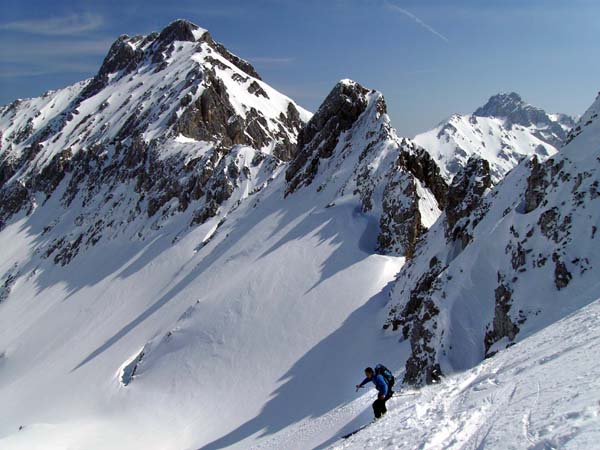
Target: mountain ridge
537 226
503 131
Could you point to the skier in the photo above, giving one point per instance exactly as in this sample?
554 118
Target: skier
383 385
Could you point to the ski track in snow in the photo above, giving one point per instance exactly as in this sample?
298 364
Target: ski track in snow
542 393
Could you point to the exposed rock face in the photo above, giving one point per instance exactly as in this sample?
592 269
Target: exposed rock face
537 183
502 325
415 319
400 224
424 168
178 30
212 115
338 112
465 200
7 281
148 144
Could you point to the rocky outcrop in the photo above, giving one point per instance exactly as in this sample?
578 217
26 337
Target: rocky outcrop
465 206
537 183
417 320
503 325
339 111
419 162
400 223
7 282
240 63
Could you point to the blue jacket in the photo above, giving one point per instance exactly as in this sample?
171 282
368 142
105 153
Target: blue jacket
379 382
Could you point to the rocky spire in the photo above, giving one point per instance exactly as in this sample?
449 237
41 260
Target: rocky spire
338 112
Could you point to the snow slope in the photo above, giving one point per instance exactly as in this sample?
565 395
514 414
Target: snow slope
237 336
542 393
134 315
196 262
503 131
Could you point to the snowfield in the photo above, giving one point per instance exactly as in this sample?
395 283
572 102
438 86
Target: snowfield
237 336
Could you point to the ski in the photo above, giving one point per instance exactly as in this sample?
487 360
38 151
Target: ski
352 433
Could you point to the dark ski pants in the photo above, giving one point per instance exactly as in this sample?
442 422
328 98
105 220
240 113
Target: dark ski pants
379 406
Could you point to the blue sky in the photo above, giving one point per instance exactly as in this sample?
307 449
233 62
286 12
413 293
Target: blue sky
430 58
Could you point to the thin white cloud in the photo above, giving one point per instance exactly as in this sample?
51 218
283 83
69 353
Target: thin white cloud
416 20
17 51
51 57
59 67
57 26
271 60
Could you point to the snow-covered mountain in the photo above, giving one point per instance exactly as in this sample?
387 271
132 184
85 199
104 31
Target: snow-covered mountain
189 258
169 279
502 263
503 131
175 116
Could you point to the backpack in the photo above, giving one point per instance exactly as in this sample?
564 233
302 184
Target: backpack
380 369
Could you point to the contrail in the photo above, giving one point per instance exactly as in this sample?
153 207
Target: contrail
417 20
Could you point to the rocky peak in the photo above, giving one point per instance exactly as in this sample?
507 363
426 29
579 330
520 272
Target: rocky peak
119 56
127 53
504 131
340 109
123 55
317 140
349 149
179 30
511 107
181 141
501 105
